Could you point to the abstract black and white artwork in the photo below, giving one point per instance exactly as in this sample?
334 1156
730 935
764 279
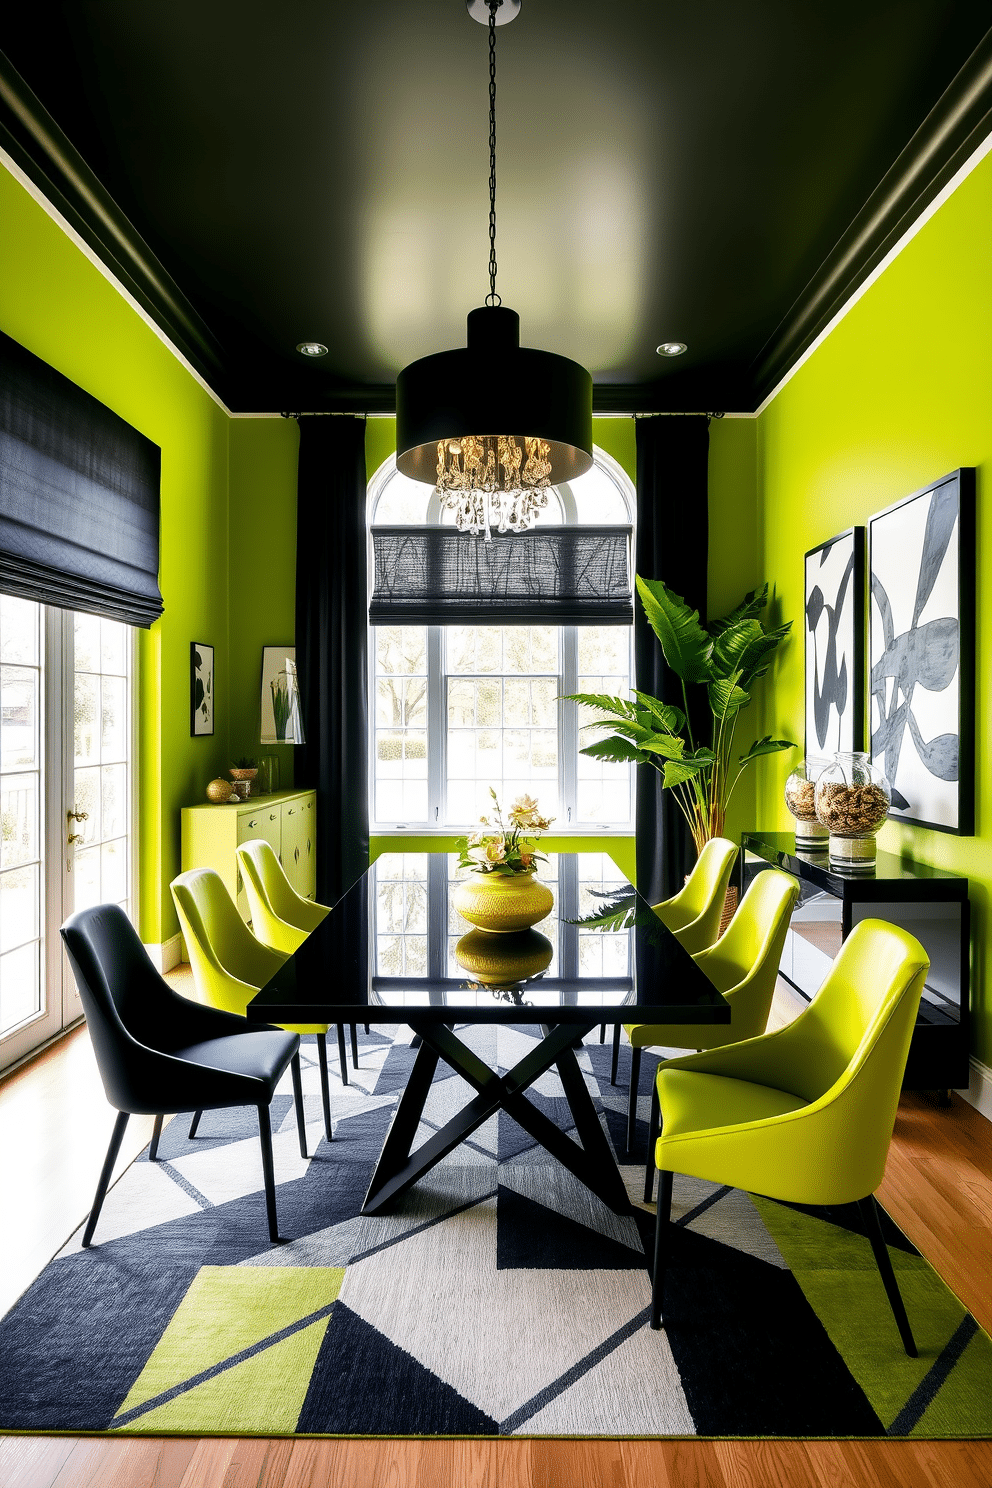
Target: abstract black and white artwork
921 649
835 628
201 688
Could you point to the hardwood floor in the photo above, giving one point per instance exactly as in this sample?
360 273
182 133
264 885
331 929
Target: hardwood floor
54 1125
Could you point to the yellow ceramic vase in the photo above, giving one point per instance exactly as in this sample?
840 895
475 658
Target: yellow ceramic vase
503 902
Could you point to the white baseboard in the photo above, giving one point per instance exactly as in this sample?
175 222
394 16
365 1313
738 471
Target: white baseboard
979 1092
168 954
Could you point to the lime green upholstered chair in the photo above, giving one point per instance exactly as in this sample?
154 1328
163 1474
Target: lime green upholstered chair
693 914
282 918
804 1114
742 965
229 965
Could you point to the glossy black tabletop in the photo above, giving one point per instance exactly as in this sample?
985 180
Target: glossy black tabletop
395 950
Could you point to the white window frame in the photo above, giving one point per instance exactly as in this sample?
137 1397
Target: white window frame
568 725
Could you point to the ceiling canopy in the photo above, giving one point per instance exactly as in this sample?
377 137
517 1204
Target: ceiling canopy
721 175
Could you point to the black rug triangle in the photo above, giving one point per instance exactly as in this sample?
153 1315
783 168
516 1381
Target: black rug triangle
364 1385
529 1236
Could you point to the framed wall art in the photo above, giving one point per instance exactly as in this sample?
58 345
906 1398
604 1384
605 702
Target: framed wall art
281 721
834 613
201 688
922 653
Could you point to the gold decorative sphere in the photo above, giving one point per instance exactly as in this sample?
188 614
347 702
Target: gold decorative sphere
220 791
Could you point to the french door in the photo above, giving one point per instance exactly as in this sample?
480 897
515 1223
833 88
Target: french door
66 747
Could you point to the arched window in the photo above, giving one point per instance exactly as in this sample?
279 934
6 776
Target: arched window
458 709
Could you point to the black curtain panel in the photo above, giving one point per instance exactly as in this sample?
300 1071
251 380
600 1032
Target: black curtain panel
331 645
79 497
672 544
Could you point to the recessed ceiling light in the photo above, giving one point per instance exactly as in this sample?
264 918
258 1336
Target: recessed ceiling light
671 348
311 349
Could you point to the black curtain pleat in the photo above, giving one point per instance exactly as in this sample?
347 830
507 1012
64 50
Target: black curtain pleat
672 544
331 645
79 497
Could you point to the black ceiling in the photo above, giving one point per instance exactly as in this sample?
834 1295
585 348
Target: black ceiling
721 174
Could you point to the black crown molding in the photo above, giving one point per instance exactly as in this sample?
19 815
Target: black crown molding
955 127
34 141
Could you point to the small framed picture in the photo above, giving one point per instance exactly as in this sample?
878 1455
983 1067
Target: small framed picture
835 646
922 649
280 697
201 688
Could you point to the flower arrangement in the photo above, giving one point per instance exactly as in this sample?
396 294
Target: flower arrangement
503 849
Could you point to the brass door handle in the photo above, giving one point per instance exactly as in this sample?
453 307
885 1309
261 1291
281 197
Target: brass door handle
74 837
77 816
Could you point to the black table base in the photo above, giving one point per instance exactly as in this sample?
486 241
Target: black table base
590 1159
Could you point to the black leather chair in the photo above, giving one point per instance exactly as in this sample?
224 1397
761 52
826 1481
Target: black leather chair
159 1053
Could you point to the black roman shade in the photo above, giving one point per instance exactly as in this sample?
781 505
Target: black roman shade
79 497
555 576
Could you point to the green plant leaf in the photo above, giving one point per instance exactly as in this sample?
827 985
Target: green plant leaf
618 750
668 716
726 698
686 646
669 746
602 703
677 772
749 608
766 745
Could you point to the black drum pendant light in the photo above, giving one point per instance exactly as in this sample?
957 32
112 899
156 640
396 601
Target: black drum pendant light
493 426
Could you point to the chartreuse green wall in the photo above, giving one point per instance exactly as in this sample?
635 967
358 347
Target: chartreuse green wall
263 464
56 303
897 395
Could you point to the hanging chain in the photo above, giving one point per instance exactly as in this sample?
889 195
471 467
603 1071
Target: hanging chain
492 298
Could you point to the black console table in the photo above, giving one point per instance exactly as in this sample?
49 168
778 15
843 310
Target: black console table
928 902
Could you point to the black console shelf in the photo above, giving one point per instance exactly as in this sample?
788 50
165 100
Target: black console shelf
928 902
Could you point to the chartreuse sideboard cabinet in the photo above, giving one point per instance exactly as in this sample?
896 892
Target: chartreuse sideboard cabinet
212 834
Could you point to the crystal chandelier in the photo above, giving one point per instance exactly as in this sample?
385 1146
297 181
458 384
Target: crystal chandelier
494 426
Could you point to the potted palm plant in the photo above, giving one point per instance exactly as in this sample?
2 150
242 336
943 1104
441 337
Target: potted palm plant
726 657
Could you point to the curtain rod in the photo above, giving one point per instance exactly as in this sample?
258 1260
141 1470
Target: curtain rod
328 413
673 414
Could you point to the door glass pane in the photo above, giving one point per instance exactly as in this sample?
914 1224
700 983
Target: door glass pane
21 875
101 779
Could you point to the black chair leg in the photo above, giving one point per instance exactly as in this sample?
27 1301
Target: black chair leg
106 1173
153 1144
342 1056
868 1210
301 1122
662 1221
325 1094
194 1124
616 1054
635 1075
268 1171
367 1029
654 1123
602 1033
354 1045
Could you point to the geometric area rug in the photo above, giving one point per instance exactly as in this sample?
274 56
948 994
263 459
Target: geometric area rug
500 1298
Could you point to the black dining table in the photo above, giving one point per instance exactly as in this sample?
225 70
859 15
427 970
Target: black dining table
394 950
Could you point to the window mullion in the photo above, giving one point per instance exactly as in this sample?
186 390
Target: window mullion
568 727
437 740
